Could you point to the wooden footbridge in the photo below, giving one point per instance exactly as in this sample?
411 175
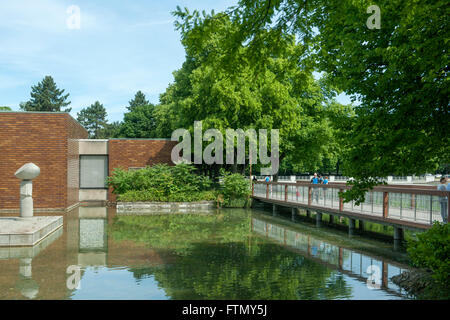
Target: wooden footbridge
413 207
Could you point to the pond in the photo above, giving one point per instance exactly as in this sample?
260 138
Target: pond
228 254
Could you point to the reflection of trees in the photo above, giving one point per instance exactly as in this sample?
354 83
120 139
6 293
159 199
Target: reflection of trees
229 271
179 232
216 258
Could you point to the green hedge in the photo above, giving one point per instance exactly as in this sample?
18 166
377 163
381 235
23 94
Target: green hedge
432 251
167 179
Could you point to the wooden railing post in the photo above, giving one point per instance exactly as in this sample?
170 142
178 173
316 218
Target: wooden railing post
267 191
309 195
285 192
385 204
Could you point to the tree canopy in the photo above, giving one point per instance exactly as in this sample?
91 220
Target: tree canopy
93 118
45 96
397 73
283 95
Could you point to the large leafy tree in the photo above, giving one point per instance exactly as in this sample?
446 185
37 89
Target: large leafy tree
282 95
93 118
45 96
399 73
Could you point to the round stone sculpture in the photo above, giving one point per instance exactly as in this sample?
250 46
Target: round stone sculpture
28 171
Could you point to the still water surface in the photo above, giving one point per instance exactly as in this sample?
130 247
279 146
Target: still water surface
231 254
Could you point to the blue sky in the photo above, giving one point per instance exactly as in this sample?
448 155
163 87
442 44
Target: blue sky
120 47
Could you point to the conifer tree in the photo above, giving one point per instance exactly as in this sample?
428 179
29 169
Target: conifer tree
139 100
93 118
45 96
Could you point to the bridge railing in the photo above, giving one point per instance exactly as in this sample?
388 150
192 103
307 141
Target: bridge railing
418 204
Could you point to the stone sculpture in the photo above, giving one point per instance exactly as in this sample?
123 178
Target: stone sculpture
27 173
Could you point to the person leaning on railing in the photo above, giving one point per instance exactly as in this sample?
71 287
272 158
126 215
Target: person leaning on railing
443 200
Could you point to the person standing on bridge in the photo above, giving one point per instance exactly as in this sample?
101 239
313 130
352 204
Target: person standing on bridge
315 191
443 200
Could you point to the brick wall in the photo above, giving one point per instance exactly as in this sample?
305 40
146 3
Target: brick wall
127 153
41 138
75 131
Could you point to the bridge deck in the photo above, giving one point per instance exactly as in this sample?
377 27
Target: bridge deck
413 207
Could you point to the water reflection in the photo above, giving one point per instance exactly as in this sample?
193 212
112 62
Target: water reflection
232 254
350 262
25 283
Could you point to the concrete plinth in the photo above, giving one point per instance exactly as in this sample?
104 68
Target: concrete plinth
318 219
15 231
308 213
274 210
293 213
361 225
351 226
398 238
331 219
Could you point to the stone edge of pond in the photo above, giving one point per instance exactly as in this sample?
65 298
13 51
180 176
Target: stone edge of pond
419 283
136 208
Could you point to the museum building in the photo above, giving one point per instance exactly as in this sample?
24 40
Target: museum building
73 168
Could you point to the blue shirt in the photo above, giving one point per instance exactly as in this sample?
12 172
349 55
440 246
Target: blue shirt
267 179
325 181
315 180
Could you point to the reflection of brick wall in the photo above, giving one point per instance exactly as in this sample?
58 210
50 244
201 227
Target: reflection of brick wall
129 153
41 138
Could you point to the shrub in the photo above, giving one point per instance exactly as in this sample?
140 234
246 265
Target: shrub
235 189
166 179
432 251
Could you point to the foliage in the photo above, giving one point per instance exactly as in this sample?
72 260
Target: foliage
235 189
5 108
399 73
138 100
46 96
139 122
111 130
432 251
93 118
282 95
160 181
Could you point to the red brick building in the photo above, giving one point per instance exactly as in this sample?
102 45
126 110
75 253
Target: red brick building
73 168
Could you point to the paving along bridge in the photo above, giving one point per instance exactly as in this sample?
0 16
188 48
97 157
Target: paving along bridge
413 207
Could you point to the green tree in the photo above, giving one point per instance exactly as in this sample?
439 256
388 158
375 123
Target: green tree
45 96
5 108
111 130
93 118
139 122
399 73
283 95
138 100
